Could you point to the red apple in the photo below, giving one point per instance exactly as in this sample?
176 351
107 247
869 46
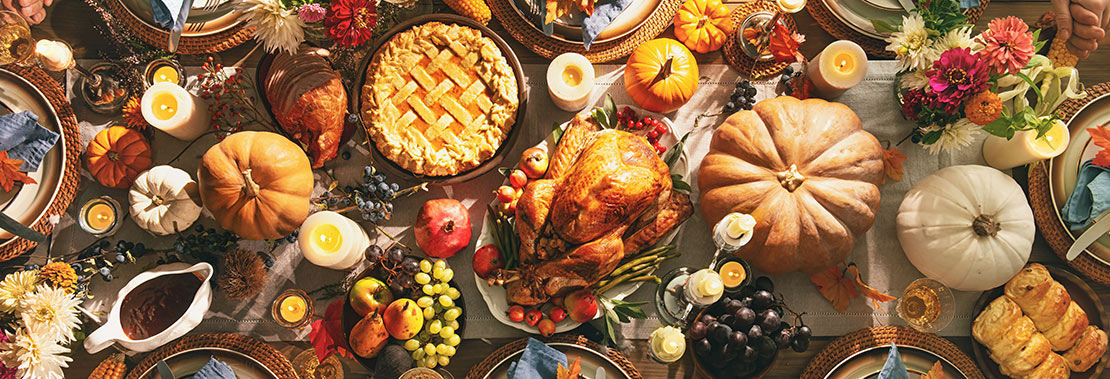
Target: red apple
516 313
533 317
487 260
534 162
506 194
442 228
518 179
370 295
581 305
547 327
557 314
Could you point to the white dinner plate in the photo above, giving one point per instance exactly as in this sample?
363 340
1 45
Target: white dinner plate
28 202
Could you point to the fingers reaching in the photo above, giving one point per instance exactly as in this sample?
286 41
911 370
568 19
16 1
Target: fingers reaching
1063 17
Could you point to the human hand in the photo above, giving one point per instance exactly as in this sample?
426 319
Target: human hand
1082 22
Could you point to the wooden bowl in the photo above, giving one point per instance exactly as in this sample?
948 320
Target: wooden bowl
1081 294
705 370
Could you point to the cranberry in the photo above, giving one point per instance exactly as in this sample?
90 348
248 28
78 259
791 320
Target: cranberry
661 129
653 135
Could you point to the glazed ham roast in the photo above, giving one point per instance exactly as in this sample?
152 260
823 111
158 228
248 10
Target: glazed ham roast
606 194
808 173
308 100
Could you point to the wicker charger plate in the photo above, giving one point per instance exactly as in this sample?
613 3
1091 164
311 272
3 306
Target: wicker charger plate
258 350
1045 214
847 346
877 47
734 53
67 189
550 47
491 362
203 43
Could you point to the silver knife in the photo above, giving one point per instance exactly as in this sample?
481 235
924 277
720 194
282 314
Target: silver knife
175 36
907 5
1096 230
600 374
164 371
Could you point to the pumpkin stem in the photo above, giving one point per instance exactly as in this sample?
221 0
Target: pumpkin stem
252 188
701 22
986 226
157 200
113 156
791 179
666 70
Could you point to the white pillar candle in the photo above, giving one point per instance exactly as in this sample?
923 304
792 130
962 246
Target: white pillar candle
842 65
54 55
329 239
1025 147
570 79
174 110
791 6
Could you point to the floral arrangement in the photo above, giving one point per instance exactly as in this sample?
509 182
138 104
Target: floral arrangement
954 83
282 25
39 313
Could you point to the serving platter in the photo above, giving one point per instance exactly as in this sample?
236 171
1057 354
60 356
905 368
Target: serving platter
496 298
186 363
569 28
1080 293
396 171
28 203
1063 171
867 363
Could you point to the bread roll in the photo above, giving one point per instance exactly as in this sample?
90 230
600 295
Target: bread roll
1053 367
1026 358
991 325
1064 334
1043 299
1087 351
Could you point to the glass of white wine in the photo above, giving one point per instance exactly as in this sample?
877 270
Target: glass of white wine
16 44
927 305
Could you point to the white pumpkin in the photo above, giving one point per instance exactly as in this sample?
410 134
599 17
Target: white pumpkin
968 227
164 200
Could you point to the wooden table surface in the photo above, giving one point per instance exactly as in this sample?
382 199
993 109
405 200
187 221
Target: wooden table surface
73 20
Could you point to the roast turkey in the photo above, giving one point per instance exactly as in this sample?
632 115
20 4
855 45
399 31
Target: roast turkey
308 100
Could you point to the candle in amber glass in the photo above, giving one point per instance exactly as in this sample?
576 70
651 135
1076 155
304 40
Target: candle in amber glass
733 274
165 74
292 309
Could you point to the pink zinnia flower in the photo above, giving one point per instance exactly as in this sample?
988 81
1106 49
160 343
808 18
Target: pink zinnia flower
1008 44
311 13
958 74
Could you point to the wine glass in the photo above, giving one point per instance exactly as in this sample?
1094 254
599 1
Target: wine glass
927 305
16 44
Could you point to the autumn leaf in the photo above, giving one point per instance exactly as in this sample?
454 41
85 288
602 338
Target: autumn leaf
892 163
835 287
9 172
327 334
871 293
784 44
937 372
575 369
1101 137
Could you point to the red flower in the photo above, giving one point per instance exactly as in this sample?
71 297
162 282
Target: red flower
351 22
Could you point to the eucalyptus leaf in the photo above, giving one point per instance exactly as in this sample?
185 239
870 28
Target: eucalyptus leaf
676 151
885 26
681 185
556 132
610 109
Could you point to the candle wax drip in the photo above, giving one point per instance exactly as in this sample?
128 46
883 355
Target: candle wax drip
327 238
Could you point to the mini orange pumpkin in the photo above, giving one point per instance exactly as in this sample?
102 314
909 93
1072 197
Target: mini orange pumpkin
117 155
703 25
256 184
661 75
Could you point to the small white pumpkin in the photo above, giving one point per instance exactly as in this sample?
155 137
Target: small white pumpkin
968 227
164 200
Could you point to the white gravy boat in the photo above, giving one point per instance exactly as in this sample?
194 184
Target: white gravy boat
112 330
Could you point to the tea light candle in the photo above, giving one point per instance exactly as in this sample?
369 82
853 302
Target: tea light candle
100 216
164 70
54 55
733 273
331 240
174 110
292 308
842 65
1025 147
791 6
570 79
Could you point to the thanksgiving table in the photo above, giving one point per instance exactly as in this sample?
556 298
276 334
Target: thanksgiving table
551 190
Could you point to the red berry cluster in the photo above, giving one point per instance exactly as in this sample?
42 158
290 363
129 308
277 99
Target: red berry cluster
230 106
627 119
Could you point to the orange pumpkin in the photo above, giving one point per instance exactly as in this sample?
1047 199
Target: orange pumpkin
703 25
661 75
117 155
256 184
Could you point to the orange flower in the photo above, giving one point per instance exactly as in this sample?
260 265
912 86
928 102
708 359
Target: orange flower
133 113
983 108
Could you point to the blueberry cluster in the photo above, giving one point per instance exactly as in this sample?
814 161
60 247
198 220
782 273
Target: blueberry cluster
204 244
375 198
742 98
787 80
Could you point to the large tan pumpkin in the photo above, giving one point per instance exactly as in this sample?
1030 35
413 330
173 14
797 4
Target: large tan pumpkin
256 184
808 173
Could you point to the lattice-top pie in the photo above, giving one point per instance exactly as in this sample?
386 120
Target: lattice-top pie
439 99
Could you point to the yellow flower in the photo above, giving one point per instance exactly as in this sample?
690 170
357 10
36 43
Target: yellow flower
133 113
983 108
59 275
15 287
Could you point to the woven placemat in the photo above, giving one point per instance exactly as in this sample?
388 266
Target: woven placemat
844 347
71 177
487 365
1045 214
212 43
871 45
549 47
734 52
260 351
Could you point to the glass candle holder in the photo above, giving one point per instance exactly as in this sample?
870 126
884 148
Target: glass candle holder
927 305
102 87
735 273
100 217
164 70
292 309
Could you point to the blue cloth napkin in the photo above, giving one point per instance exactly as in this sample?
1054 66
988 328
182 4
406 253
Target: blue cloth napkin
215 370
23 138
538 361
171 14
605 12
968 4
1090 197
894 368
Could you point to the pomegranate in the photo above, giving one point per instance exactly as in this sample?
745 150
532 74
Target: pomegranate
442 228
486 260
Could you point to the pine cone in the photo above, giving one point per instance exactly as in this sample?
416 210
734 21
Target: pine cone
243 274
